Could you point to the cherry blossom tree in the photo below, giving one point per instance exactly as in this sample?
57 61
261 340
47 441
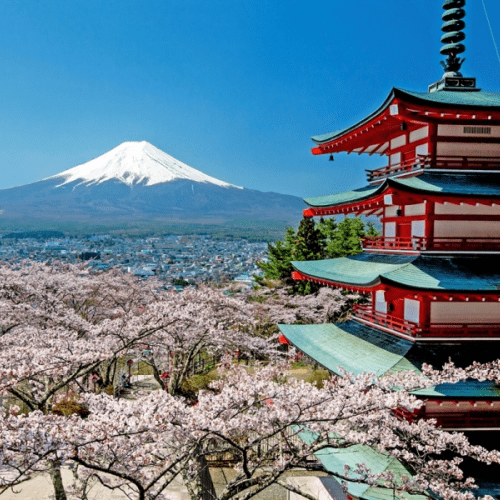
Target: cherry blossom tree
279 305
207 322
60 323
267 423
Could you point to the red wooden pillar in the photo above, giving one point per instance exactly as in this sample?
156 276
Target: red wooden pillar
425 309
429 221
432 142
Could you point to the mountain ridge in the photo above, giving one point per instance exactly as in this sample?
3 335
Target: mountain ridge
135 180
142 162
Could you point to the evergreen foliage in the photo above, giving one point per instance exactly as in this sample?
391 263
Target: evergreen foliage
325 240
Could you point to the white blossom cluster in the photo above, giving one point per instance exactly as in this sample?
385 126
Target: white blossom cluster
61 323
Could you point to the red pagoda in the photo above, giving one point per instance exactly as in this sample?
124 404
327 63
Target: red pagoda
434 274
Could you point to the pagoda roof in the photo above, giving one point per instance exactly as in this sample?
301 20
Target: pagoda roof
443 184
353 346
442 99
367 270
334 460
464 389
358 348
456 99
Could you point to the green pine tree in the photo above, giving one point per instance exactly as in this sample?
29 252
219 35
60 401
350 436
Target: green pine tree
279 257
326 239
309 244
345 239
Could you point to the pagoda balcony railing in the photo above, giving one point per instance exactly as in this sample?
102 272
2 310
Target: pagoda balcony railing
424 244
458 419
423 162
466 420
425 330
366 313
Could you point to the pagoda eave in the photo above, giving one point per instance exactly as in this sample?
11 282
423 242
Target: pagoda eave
299 276
425 187
395 289
368 271
375 205
407 111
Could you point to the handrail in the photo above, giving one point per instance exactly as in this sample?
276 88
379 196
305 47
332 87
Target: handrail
387 320
421 162
418 243
423 330
455 419
404 167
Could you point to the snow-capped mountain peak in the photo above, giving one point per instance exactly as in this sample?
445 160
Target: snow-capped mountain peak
135 163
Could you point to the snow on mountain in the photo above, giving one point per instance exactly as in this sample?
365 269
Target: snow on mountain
135 163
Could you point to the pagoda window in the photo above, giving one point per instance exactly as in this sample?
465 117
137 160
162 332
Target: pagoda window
418 228
418 209
465 312
422 149
380 302
418 134
412 310
390 229
395 159
392 211
398 142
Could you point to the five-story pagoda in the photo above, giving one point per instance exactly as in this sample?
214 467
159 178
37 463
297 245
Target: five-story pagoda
434 274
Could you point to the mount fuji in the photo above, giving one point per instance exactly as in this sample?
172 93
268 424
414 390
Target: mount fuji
137 180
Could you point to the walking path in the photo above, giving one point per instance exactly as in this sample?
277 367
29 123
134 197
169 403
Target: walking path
40 487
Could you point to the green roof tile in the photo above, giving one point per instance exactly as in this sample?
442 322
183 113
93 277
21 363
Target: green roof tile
359 348
362 269
422 272
469 274
345 197
334 459
466 389
355 347
455 98
481 184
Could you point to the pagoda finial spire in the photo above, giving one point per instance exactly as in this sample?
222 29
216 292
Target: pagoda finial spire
453 34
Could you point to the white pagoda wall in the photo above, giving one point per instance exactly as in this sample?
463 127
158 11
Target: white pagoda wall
420 133
464 131
470 149
451 209
465 312
418 209
470 228
462 229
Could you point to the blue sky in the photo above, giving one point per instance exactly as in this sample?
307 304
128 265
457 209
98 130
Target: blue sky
232 88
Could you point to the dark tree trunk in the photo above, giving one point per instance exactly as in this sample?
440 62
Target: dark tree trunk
55 474
201 486
207 486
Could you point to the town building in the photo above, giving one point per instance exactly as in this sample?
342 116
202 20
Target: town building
433 276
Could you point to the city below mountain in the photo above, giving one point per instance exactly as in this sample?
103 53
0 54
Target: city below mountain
135 180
